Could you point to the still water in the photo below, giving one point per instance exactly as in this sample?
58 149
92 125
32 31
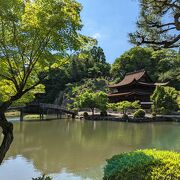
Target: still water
75 150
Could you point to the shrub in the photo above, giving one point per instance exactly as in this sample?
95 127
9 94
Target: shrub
125 117
125 105
85 114
140 113
153 114
164 100
103 113
143 164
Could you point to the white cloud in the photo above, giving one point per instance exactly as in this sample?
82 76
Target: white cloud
96 36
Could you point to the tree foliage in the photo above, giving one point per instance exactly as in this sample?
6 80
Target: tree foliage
30 33
124 106
172 74
92 100
160 65
76 89
75 71
135 59
164 100
101 100
89 63
158 24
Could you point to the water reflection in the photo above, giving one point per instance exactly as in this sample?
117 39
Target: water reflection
81 148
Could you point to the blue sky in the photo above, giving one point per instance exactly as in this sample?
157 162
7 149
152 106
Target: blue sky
110 22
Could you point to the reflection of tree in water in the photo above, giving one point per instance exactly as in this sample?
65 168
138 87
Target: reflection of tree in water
55 145
166 136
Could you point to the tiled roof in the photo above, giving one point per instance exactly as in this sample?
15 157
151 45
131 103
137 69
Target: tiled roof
129 78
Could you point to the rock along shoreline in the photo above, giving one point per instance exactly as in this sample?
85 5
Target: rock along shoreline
133 120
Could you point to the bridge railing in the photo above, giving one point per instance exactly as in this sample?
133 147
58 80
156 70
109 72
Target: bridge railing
55 106
44 106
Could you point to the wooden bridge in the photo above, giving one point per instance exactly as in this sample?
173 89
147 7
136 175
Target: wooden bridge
42 109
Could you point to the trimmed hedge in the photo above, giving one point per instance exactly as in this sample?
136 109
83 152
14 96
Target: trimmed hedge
143 164
140 113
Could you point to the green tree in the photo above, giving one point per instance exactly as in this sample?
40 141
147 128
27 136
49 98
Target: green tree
156 63
172 73
135 59
158 24
86 100
178 99
112 106
101 100
73 90
124 106
31 34
76 69
95 62
97 55
164 100
56 81
92 100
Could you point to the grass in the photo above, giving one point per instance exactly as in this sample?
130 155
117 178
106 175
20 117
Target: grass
28 117
12 113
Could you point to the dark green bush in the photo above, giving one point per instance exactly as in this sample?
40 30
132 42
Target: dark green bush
85 114
154 114
103 113
165 100
143 164
140 113
125 117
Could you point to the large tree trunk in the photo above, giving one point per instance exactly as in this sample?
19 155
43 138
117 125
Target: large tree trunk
7 128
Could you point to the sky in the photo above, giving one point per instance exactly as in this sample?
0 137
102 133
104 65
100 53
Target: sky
110 22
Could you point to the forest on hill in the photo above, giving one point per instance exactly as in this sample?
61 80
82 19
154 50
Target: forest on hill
90 70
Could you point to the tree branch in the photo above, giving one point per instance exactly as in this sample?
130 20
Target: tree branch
165 44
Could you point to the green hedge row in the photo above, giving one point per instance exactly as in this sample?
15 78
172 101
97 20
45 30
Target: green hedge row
143 164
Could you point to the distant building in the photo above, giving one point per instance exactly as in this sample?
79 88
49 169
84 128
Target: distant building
135 86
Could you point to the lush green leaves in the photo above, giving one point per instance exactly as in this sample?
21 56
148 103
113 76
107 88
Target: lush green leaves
101 100
124 106
143 164
76 68
92 100
156 63
86 100
164 100
31 34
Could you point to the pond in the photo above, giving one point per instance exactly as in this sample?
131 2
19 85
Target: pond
75 150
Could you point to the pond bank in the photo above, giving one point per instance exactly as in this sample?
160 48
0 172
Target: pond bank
165 118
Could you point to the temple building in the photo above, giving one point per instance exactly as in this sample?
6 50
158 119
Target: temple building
135 86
